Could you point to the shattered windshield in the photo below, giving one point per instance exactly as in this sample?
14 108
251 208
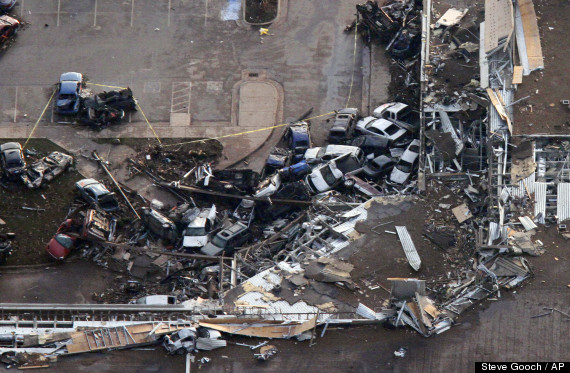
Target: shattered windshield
328 175
195 231
404 166
219 242
64 241
390 130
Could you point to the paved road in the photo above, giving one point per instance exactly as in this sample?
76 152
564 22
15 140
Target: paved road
181 60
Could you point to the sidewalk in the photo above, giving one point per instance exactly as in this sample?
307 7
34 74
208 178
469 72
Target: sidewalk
258 103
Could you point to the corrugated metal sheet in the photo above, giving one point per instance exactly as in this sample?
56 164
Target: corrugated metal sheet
365 312
540 201
208 344
496 123
520 190
409 247
494 232
448 128
563 202
338 244
527 223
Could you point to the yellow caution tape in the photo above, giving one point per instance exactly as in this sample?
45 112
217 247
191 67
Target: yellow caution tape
225 136
39 119
103 85
147 122
246 132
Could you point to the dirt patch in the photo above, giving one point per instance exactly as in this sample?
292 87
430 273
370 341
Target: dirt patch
35 228
543 112
261 11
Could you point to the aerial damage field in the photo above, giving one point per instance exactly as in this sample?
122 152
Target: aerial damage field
253 195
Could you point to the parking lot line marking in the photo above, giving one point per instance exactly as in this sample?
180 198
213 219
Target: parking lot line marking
21 8
132 11
169 6
206 14
16 105
39 119
58 9
95 15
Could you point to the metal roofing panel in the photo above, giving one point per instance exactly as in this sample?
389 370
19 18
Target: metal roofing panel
527 223
540 201
365 312
520 191
563 202
409 248
494 232
448 128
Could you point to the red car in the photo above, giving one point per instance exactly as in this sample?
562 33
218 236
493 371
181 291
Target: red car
8 27
91 226
63 241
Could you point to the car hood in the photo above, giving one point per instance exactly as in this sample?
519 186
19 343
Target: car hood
319 182
361 124
211 249
65 102
398 176
194 241
311 154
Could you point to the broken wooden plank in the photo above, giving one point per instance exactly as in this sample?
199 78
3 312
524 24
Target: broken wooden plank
497 101
517 75
531 35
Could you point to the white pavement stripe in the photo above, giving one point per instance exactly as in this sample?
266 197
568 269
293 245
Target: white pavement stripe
95 15
16 105
132 11
58 9
21 8
206 14
169 6
180 99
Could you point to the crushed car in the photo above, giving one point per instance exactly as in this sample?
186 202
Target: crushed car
119 100
227 240
344 125
371 144
99 116
91 226
9 26
97 194
198 231
326 153
378 167
406 164
298 139
383 127
399 114
46 169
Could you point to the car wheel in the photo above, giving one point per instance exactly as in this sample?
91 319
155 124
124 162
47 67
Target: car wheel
349 183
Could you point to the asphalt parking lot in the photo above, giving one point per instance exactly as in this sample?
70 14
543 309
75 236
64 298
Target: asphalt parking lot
178 56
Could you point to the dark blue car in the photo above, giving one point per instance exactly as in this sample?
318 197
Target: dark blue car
299 139
295 171
68 99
